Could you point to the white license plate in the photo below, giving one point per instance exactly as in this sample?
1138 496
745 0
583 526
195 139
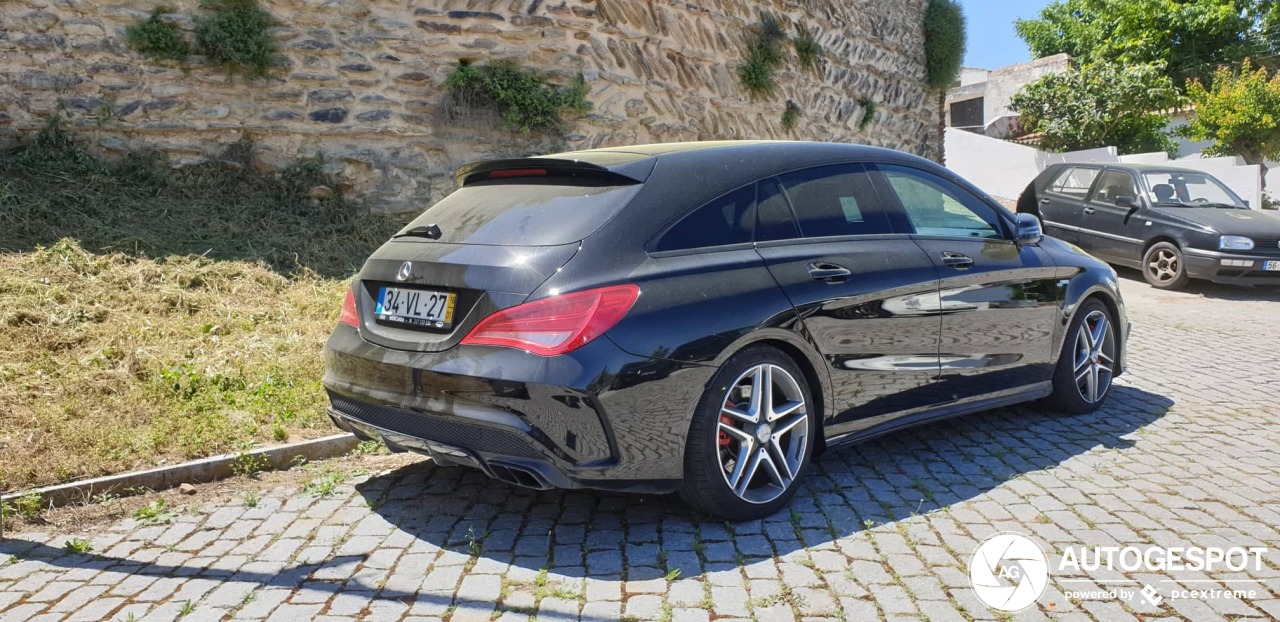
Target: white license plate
415 306
1271 266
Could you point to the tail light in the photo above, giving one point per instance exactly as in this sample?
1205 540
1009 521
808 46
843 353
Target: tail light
556 325
349 315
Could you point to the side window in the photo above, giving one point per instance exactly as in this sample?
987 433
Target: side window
836 200
936 206
1115 184
774 220
1074 182
725 220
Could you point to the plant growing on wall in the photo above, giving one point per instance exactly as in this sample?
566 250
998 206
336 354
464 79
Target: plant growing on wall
526 99
808 50
158 39
764 56
868 112
791 116
235 36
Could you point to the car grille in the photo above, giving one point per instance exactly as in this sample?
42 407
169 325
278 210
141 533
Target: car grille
446 430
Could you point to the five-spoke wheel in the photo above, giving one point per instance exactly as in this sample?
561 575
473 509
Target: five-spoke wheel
751 438
763 433
1088 361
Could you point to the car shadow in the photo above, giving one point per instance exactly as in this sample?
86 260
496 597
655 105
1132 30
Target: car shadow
581 533
1209 289
578 534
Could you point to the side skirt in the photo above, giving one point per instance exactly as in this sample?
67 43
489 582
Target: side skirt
947 411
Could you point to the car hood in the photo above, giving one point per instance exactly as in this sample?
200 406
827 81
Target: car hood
1252 223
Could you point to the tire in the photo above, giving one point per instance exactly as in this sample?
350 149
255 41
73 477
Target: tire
1163 266
724 443
1081 353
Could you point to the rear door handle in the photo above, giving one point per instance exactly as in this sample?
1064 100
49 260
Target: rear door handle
829 272
1044 201
959 261
1089 210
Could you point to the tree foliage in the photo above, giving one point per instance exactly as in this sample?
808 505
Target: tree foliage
1101 105
1190 37
944 43
1240 113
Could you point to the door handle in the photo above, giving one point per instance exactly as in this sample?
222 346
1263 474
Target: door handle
1089 210
958 261
1044 201
829 272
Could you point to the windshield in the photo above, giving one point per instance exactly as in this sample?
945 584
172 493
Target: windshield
524 212
1180 189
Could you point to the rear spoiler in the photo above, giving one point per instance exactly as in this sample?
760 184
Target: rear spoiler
626 168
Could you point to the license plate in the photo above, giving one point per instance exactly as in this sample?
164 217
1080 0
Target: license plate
415 306
1271 266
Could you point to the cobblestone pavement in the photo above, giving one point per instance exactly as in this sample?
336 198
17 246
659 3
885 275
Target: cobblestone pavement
1187 453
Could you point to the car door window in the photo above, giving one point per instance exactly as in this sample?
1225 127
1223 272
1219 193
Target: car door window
723 221
1113 185
1074 182
774 218
834 201
935 206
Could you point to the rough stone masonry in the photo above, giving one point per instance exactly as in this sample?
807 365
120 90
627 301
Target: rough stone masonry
363 81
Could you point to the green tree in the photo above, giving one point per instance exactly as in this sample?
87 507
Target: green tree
1100 105
1190 37
1240 113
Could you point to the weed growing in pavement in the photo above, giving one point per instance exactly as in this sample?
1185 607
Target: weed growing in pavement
251 499
78 545
155 512
187 609
324 480
246 464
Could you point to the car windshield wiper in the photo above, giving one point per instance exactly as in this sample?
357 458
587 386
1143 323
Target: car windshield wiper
431 232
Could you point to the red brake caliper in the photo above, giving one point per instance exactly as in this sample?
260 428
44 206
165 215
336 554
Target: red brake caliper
723 437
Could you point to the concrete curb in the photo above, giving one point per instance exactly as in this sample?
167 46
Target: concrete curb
195 472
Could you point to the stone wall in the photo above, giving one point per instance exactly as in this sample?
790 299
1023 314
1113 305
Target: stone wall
363 81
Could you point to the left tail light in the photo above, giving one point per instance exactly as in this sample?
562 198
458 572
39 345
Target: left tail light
558 324
349 315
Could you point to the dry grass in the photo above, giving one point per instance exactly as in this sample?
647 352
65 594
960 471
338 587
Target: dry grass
112 361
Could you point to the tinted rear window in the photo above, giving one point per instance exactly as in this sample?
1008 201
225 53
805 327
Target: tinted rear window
726 220
525 212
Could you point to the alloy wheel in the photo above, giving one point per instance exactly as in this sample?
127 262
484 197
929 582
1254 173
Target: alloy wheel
1163 265
1095 356
763 433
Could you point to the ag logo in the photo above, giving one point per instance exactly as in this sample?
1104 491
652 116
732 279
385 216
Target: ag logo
1009 572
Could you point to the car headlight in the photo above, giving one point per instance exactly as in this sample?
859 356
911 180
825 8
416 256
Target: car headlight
1235 243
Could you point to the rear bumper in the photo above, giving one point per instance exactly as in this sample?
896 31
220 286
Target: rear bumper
1215 266
595 418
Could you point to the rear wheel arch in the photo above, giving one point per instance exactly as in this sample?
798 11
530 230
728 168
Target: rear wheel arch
807 361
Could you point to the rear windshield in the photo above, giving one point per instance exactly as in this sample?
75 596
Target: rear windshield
524 212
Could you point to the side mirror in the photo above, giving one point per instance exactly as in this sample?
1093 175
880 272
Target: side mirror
1127 202
1028 229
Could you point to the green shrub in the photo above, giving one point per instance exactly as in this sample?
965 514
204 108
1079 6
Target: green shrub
944 42
868 112
790 116
1270 201
158 39
235 37
808 50
526 99
764 56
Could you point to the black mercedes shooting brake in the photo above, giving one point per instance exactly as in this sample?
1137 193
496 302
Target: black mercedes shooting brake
1173 224
708 317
